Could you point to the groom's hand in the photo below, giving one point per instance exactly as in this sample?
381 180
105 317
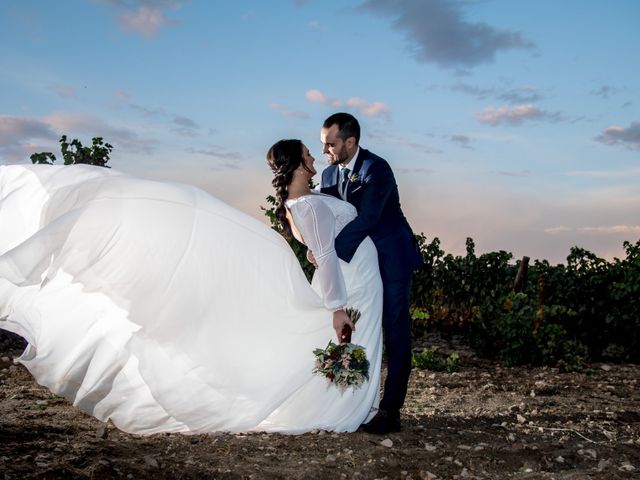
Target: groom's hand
340 319
311 258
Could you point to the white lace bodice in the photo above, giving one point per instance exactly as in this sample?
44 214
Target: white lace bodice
318 219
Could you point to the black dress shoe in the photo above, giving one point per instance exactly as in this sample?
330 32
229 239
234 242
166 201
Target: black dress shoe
383 422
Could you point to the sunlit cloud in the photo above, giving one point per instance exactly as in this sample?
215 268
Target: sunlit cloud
145 17
316 96
367 109
615 135
437 32
610 229
357 104
284 110
559 229
515 115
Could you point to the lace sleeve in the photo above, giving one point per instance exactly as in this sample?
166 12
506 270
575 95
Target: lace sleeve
316 224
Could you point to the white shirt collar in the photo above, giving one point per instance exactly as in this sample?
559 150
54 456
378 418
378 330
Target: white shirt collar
352 161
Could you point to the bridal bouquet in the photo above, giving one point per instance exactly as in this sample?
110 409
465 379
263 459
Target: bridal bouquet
345 364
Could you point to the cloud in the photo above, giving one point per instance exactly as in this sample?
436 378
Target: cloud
14 130
515 115
18 138
559 229
146 21
615 135
147 112
612 229
367 109
74 124
398 141
357 104
635 229
145 17
284 110
64 91
413 171
605 91
525 94
229 158
521 173
438 33
316 96
462 141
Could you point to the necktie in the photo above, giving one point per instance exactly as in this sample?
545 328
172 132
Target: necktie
344 182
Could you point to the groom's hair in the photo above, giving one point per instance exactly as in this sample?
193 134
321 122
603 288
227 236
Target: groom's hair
348 125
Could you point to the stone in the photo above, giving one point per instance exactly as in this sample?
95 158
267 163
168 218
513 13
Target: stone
627 467
387 442
588 452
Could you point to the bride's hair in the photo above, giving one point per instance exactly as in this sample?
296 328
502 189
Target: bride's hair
284 157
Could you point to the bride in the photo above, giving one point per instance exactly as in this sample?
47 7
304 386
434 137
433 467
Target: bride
160 308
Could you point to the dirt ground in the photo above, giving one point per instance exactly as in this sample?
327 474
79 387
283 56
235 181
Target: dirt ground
483 422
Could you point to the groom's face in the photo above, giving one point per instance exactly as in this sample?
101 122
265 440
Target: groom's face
333 146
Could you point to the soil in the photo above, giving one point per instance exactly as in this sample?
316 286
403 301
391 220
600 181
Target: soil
483 422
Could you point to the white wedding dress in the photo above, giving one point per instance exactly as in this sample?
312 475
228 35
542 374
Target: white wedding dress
163 309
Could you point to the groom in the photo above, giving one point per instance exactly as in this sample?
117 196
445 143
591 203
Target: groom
366 181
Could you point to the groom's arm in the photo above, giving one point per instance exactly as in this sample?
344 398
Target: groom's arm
378 185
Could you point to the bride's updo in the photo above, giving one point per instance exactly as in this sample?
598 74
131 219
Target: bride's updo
283 158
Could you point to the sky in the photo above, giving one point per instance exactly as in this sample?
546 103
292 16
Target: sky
513 122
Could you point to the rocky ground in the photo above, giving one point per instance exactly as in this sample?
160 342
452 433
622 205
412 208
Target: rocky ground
484 422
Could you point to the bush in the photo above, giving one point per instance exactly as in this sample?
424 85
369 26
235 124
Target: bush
428 359
564 316
75 153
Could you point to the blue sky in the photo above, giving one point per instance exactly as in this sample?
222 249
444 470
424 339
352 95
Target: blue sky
514 122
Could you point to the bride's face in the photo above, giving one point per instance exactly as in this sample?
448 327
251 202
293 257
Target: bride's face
308 160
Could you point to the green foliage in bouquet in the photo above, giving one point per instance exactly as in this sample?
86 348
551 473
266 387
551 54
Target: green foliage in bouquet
345 364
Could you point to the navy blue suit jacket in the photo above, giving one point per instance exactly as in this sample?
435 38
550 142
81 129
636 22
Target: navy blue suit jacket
374 193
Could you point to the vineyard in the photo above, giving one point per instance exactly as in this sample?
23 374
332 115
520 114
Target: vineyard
561 316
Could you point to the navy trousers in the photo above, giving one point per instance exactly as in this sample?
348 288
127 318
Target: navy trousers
396 330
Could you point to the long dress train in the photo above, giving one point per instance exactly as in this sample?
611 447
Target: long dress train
163 309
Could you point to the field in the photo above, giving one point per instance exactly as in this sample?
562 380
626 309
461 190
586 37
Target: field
484 421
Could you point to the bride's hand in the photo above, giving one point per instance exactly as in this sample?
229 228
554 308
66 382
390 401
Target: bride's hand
340 319
311 258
